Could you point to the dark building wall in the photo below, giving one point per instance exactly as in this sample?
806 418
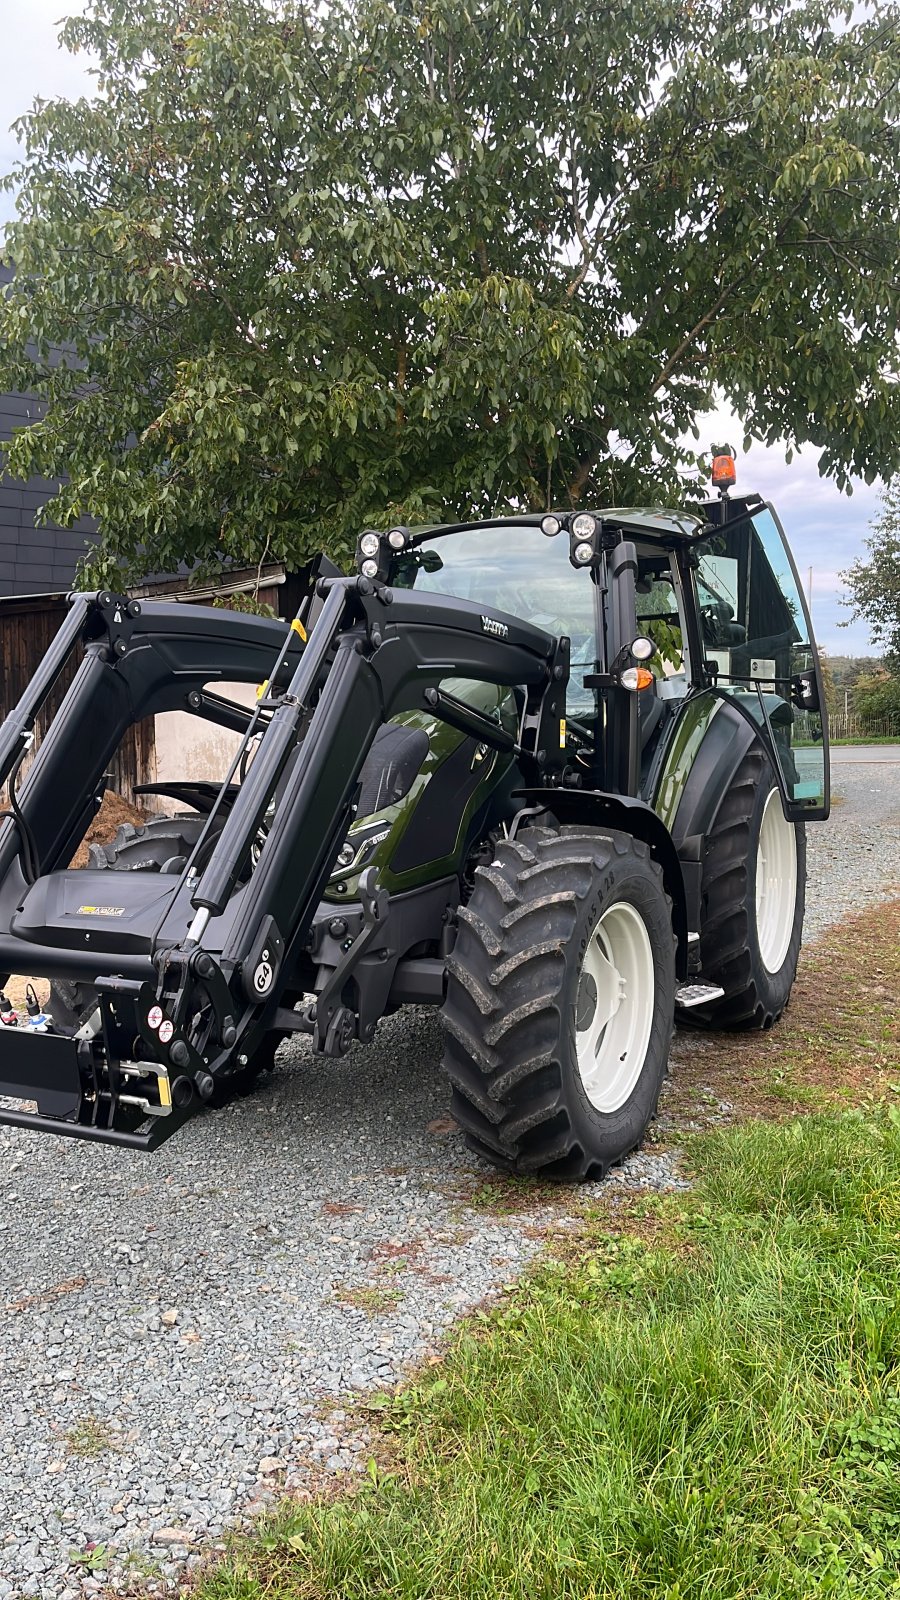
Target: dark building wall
33 559
27 628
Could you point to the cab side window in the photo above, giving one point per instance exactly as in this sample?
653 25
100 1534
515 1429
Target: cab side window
658 616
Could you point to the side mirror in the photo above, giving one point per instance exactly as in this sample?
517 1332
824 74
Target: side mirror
805 691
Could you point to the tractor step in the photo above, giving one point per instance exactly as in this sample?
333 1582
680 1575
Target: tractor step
697 994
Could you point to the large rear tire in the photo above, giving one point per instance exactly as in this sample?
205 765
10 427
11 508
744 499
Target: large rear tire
559 1006
753 901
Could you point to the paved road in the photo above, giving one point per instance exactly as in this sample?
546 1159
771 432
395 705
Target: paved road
855 856
850 755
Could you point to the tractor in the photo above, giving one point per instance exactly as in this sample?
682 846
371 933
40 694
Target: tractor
550 773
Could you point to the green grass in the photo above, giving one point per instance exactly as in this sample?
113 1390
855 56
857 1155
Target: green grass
710 1408
90 1437
374 1298
871 738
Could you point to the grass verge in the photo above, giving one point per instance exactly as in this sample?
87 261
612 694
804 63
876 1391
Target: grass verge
702 1406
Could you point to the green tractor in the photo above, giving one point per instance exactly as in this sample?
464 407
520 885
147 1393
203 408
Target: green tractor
548 773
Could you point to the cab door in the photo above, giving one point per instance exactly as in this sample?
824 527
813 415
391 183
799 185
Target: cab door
759 649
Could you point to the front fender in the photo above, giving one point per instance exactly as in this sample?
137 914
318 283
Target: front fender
595 808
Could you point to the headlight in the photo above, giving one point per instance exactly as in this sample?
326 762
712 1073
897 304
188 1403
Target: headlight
369 569
583 553
369 545
550 526
397 538
584 526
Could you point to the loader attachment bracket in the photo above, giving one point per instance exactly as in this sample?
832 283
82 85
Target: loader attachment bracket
335 1024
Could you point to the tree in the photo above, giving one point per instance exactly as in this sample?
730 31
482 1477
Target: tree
319 267
877 696
832 698
874 580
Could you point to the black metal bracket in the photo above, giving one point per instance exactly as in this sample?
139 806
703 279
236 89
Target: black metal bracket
335 1025
112 618
543 729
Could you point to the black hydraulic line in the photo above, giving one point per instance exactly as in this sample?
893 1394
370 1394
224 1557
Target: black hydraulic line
28 851
246 814
21 719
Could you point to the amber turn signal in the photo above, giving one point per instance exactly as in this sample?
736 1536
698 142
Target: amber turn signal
636 678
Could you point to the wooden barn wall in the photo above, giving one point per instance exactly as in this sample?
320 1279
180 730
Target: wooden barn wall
27 629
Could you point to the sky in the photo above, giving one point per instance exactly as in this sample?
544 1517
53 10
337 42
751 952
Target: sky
826 528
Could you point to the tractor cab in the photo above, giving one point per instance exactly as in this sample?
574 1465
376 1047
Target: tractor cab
715 608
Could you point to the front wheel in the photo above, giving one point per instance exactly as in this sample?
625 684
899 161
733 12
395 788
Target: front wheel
560 998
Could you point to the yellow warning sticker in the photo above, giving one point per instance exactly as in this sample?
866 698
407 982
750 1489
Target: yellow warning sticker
101 911
298 627
262 688
562 733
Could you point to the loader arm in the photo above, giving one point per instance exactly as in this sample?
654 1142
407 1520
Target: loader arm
189 969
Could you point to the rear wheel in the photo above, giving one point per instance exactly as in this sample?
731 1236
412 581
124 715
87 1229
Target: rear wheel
754 892
559 1004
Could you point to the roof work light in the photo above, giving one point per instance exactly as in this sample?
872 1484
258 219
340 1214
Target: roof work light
724 471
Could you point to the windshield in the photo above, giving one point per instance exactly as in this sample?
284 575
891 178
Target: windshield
519 570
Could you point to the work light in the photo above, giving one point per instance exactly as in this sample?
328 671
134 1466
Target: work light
584 526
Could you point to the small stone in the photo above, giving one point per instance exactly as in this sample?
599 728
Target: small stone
169 1318
270 1464
172 1536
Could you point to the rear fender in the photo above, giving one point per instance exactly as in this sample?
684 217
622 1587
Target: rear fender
595 809
709 745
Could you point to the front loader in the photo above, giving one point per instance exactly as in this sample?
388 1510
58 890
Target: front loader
550 774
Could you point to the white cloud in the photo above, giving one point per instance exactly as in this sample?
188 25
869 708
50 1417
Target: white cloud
33 66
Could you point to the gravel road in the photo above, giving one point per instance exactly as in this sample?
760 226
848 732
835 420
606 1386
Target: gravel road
178 1330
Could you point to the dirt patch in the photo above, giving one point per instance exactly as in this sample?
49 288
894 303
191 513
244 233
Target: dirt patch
838 1044
114 811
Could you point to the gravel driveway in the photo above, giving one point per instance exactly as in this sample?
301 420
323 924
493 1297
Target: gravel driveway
174 1324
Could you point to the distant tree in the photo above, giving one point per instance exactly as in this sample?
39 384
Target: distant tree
874 580
833 698
320 266
847 670
878 696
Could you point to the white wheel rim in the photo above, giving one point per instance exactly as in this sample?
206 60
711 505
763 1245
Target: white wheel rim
614 1007
776 884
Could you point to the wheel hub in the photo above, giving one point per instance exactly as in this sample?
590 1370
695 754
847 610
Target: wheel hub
776 884
614 1006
